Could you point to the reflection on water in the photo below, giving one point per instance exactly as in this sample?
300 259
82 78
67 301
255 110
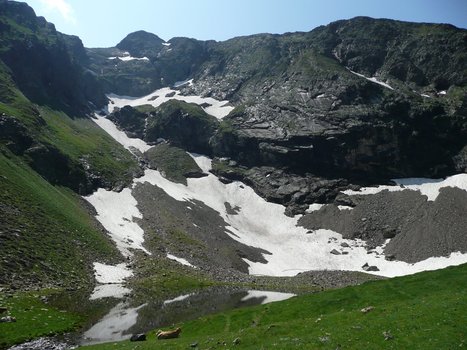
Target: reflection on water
113 325
109 290
266 296
124 320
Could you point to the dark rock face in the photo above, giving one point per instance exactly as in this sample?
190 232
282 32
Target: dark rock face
294 191
182 59
185 125
413 53
130 120
301 109
56 167
46 64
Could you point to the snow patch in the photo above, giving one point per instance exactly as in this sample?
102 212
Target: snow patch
119 135
268 296
179 298
127 57
180 260
111 274
166 44
427 187
116 211
188 82
344 207
264 225
373 79
314 207
216 108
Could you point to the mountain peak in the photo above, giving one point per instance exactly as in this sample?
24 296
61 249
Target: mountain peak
141 43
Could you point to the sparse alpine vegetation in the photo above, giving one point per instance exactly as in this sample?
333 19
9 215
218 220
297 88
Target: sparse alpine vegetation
173 162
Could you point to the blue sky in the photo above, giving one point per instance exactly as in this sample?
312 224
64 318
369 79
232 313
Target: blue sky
103 23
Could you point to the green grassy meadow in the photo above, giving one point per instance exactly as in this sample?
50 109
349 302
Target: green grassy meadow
423 311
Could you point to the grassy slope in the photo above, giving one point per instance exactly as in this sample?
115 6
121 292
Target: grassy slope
423 311
33 319
46 233
83 139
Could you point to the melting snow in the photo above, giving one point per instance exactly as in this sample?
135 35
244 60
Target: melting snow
218 109
119 135
116 211
314 207
111 274
126 57
180 260
373 79
179 298
344 207
183 82
427 187
111 278
268 296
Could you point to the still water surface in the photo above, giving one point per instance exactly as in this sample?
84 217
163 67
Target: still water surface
125 319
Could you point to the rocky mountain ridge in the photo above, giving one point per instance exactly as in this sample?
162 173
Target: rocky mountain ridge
363 100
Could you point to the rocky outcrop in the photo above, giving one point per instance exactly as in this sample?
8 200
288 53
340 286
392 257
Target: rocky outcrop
294 191
185 125
131 120
14 134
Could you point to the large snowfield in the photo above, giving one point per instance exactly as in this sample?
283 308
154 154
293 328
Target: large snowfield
261 224
218 109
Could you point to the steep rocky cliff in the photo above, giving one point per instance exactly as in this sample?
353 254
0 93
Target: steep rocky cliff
46 65
361 100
